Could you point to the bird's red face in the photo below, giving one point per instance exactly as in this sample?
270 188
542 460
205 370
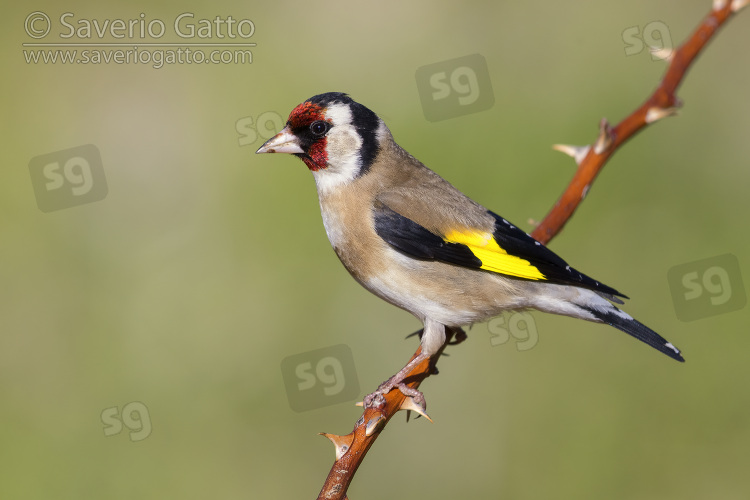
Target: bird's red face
336 137
304 136
308 121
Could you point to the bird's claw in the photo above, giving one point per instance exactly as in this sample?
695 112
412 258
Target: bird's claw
374 400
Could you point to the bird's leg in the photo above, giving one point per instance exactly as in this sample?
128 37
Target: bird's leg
432 340
397 381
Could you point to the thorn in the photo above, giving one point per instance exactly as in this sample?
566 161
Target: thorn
719 4
578 153
604 141
342 443
360 403
663 53
737 5
409 405
374 424
653 114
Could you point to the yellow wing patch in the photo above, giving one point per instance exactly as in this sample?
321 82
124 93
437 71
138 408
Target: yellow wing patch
494 258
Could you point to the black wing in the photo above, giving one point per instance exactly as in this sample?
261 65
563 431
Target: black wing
414 240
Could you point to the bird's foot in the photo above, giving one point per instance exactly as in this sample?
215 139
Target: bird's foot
377 398
458 337
414 401
417 400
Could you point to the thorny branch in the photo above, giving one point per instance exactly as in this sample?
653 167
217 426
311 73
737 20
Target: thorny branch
661 104
352 448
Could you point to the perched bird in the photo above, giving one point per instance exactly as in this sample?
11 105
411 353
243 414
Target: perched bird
414 240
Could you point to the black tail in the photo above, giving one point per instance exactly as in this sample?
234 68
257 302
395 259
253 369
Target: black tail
623 322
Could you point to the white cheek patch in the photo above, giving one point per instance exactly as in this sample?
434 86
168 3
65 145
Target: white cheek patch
343 145
339 114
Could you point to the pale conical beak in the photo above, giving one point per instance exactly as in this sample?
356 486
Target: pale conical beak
283 142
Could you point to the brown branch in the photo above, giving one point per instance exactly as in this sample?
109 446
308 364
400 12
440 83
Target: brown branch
352 448
660 104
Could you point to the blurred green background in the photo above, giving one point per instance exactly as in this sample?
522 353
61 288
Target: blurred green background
206 265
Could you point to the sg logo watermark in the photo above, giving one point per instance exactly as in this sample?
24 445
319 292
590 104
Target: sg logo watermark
67 178
707 287
320 378
265 126
519 326
455 87
134 416
656 37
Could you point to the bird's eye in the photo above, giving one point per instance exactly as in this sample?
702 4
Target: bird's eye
319 128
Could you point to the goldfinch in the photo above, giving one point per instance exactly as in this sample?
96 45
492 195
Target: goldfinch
414 240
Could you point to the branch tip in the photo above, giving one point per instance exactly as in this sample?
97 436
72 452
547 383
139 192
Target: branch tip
578 153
